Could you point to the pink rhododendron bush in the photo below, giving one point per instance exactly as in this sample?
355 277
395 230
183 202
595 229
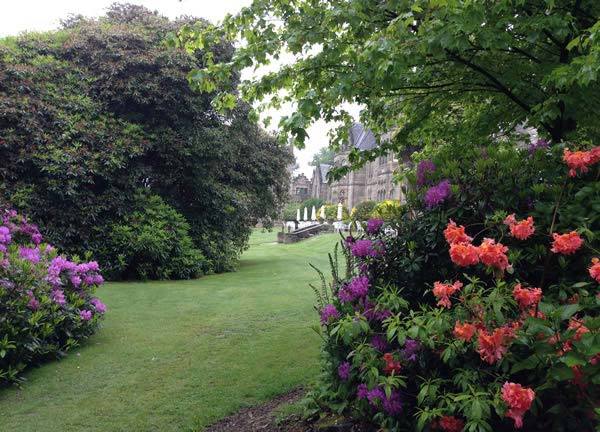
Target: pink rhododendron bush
47 303
502 330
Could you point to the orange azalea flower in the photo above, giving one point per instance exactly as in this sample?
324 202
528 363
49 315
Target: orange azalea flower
443 292
493 254
391 365
518 399
510 220
464 254
595 269
580 160
527 298
456 234
579 327
493 346
566 243
450 424
523 229
464 331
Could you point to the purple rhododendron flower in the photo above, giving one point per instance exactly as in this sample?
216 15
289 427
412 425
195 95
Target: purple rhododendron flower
33 303
98 305
30 254
349 241
355 289
373 313
362 391
327 313
393 404
437 194
5 283
411 349
375 395
58 296
5 237
367 248
423 168
344 371
85 315
379 343
374 225
538 145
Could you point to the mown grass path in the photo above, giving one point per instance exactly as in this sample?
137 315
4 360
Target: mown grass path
176 356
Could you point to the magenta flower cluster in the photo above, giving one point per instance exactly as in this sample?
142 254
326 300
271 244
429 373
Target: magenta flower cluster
344 371
329 313
25 241
540 144
374 225
356 289
437 194
366 248
378 399
424 168
411 349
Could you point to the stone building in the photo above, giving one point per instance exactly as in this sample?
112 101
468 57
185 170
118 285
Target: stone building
300 188
373 182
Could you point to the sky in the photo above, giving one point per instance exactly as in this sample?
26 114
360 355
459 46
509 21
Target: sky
38 15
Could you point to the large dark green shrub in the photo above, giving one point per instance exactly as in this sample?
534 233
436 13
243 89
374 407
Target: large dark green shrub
93 112
153 242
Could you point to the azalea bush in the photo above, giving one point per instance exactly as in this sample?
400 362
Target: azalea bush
483 312
47 302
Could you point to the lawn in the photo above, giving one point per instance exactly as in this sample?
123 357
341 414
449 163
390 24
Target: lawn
176 356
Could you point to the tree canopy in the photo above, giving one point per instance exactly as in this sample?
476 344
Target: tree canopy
100 112
418 68
325 155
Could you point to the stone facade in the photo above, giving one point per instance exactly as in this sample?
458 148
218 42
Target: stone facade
300 188
373 182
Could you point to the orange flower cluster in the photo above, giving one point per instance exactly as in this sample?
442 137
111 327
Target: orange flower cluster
456 234
518 399
464 331
443 292
493 254
464 254
391 365
566 243
492 346
522 229
580 330
449 424
595 269
527 298
581 160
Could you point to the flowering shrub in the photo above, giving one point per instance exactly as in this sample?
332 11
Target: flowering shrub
498 331
47 304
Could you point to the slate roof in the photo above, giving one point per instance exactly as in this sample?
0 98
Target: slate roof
324 169
362 138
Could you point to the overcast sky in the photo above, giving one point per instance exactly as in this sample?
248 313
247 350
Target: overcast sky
34 15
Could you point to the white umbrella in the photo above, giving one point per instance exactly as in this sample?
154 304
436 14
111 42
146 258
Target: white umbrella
298 215
313 214
322 215
305 213
339 212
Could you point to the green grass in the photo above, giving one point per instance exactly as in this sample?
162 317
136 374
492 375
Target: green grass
176 356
